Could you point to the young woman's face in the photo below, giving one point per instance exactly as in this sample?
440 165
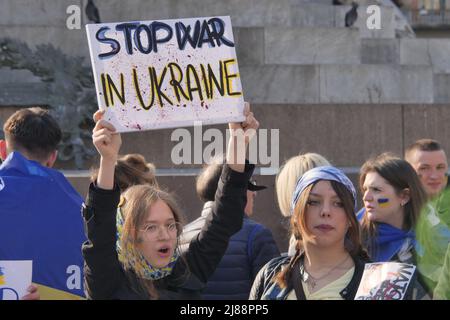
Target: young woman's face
326 219
158 235
381 200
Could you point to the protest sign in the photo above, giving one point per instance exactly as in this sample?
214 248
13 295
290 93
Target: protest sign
385 281
15 278
166 73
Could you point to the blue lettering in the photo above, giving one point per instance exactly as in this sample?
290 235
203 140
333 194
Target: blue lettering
2 290
115 45
206 36
137 39
183 34
126 28
155 26
218 30
211 32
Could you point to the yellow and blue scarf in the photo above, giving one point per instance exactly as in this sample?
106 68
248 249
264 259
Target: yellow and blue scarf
132 259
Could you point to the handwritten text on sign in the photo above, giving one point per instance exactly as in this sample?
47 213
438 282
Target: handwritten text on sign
168 73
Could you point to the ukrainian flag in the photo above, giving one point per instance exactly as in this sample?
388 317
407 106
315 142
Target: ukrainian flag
40 220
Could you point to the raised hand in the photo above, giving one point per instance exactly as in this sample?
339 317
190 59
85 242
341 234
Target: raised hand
249 125
105 139
240 136
107 142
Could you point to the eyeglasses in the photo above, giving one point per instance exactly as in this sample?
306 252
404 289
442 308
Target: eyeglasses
154 231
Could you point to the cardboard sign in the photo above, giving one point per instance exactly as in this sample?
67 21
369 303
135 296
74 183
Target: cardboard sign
15 278
385 281
166 73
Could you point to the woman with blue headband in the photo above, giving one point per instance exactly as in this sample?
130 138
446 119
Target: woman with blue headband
329 260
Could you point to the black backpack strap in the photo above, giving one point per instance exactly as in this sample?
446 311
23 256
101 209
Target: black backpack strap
296 280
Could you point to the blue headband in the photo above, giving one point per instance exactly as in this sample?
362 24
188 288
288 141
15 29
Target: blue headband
322 173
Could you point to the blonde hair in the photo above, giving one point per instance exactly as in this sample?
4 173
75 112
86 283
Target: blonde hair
288 175
137 202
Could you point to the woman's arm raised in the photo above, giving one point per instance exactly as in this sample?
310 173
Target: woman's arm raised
107 142
240 136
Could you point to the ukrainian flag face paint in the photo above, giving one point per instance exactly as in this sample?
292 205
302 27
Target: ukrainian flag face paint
383 203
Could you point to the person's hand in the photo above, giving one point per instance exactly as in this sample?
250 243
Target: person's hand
33 293
240 136
248 126
105 139
107 142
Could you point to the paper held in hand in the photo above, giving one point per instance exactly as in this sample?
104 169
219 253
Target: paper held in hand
15 278
166 73
385 281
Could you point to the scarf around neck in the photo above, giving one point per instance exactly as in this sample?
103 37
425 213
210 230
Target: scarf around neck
132 259
389 241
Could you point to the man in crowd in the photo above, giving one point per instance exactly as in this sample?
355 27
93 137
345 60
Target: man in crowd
433 228
39 209
430 162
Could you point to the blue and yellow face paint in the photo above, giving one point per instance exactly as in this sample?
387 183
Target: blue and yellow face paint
383 202
2 277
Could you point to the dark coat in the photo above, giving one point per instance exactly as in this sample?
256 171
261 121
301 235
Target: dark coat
248 251
264 289
104 275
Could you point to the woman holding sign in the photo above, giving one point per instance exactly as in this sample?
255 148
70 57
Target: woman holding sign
144 262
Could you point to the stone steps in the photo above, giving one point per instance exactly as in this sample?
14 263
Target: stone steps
434 52
299 46
248 13
367 83
289 51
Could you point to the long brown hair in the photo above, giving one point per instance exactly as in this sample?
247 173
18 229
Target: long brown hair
137 203
132 169
298 228
400 175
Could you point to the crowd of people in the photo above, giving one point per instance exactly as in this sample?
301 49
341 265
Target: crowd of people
131 240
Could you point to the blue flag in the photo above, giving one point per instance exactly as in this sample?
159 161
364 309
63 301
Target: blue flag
40 220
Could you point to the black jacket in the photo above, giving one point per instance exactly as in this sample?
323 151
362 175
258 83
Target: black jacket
264 289
104 275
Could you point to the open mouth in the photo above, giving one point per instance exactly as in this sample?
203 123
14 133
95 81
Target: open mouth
163 250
